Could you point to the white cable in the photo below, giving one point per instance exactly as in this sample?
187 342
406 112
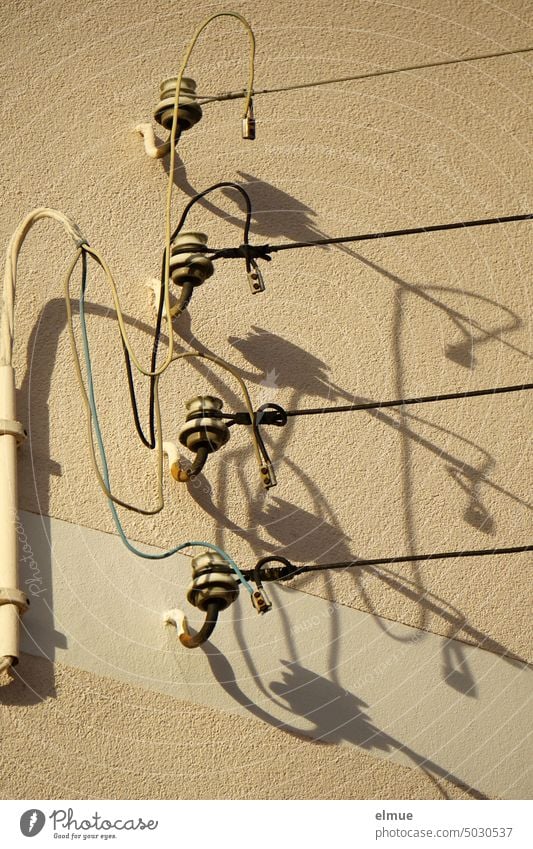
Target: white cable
7 326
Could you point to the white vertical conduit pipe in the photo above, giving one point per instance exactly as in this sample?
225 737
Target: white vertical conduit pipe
13 602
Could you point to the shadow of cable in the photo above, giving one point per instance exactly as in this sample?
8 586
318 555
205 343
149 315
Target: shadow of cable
334 715
305 536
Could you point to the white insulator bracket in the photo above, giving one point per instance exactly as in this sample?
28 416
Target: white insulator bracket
151 148
154 285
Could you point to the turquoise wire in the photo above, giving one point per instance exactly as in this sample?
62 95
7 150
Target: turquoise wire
105 469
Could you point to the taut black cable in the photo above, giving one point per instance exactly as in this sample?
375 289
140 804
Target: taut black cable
425 399
286 572
263 251
278 416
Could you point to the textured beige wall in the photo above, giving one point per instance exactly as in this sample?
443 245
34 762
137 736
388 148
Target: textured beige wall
110 740
413 316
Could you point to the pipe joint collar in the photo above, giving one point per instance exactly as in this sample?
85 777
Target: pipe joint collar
13 428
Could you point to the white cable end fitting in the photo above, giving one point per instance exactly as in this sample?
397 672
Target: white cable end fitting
150 147
177 618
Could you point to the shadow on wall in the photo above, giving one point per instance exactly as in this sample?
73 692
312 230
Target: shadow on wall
281 364
306 536
335 715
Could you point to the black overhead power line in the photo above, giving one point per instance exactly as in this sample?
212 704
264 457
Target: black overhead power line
288 570
235 95
263 251
274 414
424 399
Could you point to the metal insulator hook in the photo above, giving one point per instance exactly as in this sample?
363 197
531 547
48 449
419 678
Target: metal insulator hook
214 587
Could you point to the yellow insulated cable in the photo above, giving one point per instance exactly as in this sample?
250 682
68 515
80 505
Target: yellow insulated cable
170 184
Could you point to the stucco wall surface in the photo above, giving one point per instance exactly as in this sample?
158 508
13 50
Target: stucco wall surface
420 315
106 740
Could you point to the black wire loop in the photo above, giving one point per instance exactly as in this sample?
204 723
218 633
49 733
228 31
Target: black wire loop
287 570
277 417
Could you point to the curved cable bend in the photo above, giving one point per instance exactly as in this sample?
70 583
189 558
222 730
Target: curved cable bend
7 327
226 184
123 332
174 130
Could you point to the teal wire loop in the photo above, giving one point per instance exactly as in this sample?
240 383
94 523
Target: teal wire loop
103 458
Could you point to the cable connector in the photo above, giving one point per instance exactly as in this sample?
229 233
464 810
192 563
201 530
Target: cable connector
261 601
268 475
248 123
255 279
